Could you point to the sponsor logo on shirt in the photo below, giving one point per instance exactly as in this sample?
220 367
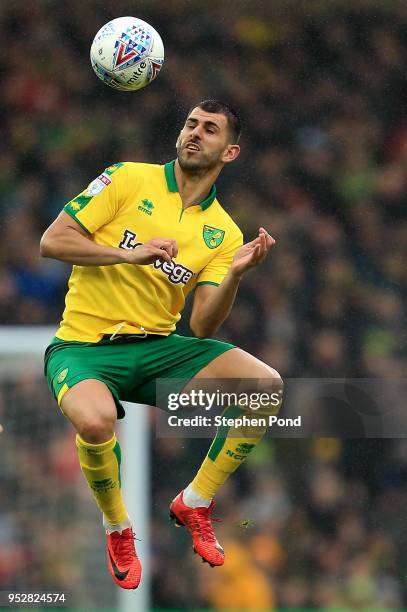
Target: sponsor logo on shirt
176 272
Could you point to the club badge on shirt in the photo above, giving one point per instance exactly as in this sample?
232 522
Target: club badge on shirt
213 237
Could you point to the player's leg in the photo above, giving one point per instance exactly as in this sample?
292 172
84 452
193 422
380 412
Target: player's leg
176 358
90 407
231 446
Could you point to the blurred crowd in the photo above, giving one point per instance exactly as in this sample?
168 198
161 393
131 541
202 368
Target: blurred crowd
322 97
307 524
315 524
323 163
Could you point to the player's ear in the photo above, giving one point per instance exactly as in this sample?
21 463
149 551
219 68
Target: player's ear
231 153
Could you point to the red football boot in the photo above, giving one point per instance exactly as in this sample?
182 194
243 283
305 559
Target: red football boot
123 562
198 522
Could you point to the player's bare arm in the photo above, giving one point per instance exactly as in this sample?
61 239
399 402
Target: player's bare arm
212 305
67 241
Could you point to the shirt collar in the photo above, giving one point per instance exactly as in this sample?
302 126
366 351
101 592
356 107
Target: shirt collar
173 187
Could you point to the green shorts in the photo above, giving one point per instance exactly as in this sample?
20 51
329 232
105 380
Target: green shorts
129 366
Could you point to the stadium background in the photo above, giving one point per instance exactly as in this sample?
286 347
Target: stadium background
322 91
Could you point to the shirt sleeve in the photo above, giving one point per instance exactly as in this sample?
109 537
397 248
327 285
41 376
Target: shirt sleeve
217 268
100 201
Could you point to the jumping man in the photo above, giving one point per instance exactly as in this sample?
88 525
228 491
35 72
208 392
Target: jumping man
140 238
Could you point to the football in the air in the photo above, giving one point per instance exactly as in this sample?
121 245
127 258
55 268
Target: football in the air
127 53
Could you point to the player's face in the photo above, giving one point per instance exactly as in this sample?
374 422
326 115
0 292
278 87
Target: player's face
203 142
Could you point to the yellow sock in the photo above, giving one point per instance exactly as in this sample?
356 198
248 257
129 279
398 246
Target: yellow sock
100 464
225 455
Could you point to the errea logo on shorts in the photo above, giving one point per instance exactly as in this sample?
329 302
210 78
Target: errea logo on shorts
176 273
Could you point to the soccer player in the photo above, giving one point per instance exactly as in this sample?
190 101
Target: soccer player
140 238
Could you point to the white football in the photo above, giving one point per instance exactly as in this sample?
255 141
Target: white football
127 53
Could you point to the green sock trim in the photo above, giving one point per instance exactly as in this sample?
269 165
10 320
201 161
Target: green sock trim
118 452
231 413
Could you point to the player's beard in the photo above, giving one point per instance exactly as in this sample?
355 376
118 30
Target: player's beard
197 164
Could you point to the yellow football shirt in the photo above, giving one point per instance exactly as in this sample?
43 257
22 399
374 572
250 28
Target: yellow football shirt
128 204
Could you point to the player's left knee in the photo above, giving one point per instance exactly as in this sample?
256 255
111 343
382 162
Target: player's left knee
273 388
275 380
269 380
266 395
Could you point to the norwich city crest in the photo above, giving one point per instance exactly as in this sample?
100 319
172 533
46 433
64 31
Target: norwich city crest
62 375
212 236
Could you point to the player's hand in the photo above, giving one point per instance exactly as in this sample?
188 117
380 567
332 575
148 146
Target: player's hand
164 249
252 253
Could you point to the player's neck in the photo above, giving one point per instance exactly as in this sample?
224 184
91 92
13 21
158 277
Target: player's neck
194 188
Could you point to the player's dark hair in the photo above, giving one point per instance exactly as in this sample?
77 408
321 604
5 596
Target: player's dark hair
216 106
